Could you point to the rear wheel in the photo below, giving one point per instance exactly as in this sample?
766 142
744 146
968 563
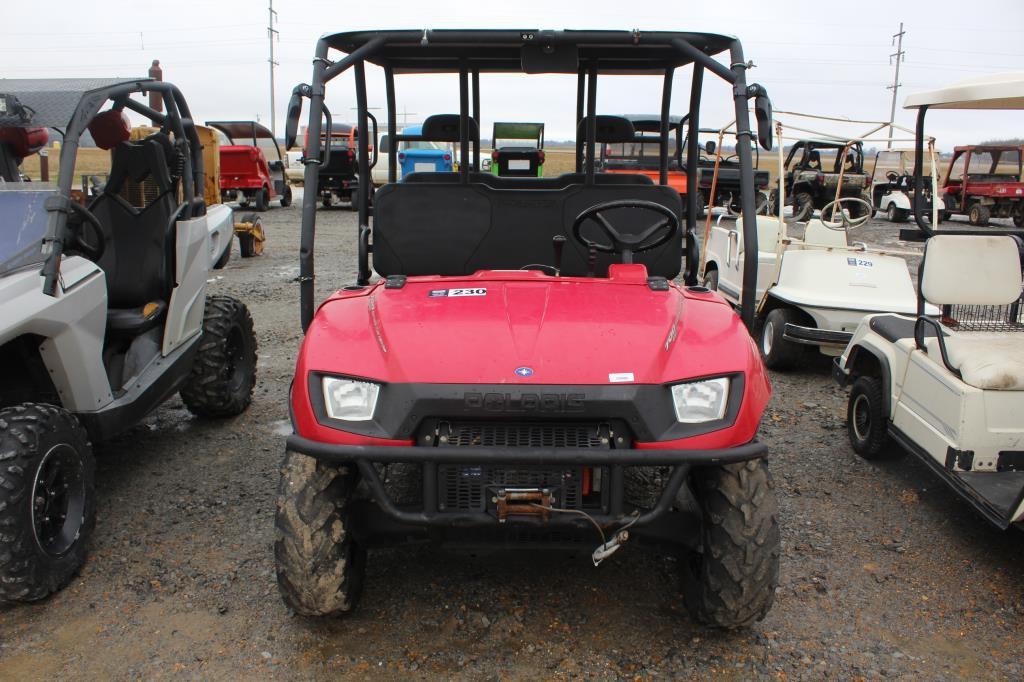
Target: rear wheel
262 200
979 215
320 566
224 369
778 352
47 500
1018 215
730 582
866 421
251 241
711 279
286 197
803 206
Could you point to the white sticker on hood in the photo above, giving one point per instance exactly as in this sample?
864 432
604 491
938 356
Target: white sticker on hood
451 293
620 377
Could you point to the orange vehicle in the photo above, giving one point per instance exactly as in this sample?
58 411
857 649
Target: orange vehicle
641 157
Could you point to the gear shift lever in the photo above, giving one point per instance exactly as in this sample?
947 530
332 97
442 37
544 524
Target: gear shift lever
558 243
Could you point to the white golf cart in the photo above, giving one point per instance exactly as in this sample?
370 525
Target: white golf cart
811 291
892 185
950 388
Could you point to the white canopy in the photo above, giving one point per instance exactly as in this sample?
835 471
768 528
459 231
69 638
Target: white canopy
995 91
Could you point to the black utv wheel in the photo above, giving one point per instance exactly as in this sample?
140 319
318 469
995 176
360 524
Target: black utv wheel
286 197
320 566
803 207
224 369
224 258
777 351
979 215
730 581
47 500
262 200
866 421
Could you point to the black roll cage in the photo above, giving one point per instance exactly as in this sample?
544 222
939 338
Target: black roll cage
178 119
470 52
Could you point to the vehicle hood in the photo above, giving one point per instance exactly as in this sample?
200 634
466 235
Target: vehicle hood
524 329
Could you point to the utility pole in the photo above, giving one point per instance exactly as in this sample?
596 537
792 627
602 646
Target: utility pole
897 40
271 34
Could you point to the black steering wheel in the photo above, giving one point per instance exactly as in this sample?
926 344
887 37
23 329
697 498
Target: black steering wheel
892 177
627 244
92 250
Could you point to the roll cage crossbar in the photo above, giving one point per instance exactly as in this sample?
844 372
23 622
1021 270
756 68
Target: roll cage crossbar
177 120
469 53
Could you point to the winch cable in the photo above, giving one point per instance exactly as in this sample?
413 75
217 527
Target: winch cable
606 548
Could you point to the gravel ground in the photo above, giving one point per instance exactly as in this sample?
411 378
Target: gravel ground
885 573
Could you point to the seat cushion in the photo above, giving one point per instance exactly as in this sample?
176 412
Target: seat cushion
987 360
135 321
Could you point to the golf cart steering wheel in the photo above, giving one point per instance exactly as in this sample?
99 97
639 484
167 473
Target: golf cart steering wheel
627 244
91 250
892 176
845 222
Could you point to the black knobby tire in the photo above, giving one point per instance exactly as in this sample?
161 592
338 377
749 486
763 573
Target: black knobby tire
320 566
224 369
803 207
286 197
224 257
47 500
262 200
779 353
711 279
867 424
979 215
730 582
702 212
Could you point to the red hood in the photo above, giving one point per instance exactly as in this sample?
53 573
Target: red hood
564 331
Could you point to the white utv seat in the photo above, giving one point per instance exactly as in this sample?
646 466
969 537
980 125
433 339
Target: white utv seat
983 272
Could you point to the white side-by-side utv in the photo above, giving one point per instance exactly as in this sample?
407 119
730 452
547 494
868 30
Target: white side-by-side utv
104 312
812 291
949 387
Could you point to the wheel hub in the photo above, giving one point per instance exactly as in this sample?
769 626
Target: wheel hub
58 500
861 417
766 337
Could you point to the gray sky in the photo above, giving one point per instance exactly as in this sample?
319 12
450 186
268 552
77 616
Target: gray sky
814 56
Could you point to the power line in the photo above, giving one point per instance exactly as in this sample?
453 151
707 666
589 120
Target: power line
899 56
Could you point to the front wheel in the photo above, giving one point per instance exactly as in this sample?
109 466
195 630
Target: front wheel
1018 216
286 197
711 279
224 369
262 200
895 214
979 215
730 581
320 566
803 207
867 424
779 352
47 500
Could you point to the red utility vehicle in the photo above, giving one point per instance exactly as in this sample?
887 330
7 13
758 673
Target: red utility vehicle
252 168
641 155
526 371
985 181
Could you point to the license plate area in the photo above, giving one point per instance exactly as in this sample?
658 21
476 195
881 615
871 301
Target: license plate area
519 164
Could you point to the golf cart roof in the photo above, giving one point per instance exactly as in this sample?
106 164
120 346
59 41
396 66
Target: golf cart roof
651 123
518 131
242 129
50 102
995 91
497 51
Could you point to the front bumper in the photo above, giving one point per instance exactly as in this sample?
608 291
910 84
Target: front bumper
655 522
812 336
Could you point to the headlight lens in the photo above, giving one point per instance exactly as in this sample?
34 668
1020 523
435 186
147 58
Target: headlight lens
701 401
352 401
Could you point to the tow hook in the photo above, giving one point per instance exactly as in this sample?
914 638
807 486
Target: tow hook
610 547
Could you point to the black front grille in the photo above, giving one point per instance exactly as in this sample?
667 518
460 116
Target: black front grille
521 435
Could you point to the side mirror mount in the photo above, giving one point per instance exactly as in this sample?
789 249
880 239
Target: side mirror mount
710 147
291 128
763 113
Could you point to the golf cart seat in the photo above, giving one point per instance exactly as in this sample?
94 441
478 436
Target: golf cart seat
978 281
817 233
139 256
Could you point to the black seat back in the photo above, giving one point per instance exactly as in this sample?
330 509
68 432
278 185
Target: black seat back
137 206
444 228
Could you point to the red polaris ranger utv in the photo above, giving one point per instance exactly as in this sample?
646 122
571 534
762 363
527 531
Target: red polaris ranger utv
526 368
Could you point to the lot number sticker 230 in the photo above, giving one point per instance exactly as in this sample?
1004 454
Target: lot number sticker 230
452 293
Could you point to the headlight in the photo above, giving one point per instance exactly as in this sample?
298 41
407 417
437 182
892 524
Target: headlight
701 401
352 401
